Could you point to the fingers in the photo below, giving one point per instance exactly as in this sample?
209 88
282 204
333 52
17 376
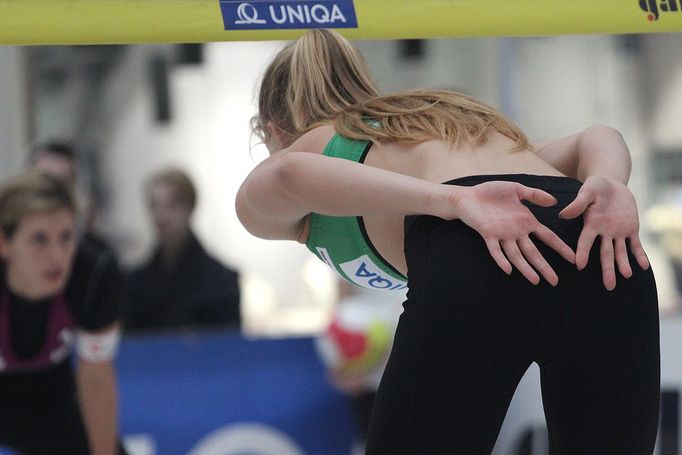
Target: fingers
607 263
585 242
638 251
613 252
536 196
622 259
549 238
577 207
513 253
498 256
517 255
533 255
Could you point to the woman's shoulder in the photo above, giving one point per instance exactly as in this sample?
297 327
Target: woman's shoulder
315 140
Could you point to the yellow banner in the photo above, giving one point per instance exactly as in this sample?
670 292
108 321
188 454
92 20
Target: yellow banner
150 21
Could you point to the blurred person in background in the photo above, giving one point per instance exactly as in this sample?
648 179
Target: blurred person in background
59 159
181 285
54 300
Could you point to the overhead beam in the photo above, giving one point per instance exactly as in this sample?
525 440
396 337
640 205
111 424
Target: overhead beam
155 21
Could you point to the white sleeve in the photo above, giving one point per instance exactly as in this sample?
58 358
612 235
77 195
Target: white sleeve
98 347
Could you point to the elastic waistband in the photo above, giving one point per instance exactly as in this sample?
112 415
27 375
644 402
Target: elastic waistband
549 183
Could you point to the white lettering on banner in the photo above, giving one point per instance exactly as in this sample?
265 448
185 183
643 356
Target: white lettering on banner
304 14
140 444
248 14
243 438
364 272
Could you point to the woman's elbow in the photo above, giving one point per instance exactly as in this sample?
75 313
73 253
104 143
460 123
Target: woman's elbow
246 216
259 222
606 130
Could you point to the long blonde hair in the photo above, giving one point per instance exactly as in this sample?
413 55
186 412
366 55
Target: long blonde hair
321 78
419 115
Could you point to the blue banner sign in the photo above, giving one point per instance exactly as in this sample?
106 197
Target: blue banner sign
287 14
220 393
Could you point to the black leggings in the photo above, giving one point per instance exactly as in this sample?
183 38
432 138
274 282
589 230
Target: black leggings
469 332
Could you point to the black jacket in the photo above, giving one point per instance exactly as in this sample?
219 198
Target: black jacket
196 291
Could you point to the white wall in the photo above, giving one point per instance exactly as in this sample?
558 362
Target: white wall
661 73
13 134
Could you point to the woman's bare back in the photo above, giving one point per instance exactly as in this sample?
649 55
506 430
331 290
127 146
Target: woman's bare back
435 161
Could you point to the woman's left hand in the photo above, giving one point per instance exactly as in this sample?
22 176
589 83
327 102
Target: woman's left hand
610 212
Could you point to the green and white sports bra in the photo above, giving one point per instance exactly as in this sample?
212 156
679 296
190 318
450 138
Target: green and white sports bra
342 241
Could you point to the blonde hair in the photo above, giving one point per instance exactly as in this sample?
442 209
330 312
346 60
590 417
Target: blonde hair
309 82
31 193
419 115
322 78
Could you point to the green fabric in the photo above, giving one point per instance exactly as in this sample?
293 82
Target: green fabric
339 241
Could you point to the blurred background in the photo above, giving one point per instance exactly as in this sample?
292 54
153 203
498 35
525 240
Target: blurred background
133 110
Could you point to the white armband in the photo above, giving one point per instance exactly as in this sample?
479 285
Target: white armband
98 347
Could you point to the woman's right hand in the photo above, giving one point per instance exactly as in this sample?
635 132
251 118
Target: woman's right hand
494 209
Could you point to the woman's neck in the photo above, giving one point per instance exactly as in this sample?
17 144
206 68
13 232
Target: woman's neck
22 288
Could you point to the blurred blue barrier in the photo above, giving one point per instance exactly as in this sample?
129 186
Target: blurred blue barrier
217 393
179 389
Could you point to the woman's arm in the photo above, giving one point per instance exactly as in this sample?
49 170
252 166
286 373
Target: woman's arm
276 197
282 190
598 150
600 158
98 398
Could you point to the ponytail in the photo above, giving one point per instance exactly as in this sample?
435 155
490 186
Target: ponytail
309 82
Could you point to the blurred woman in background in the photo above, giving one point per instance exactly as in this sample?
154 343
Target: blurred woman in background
48 309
